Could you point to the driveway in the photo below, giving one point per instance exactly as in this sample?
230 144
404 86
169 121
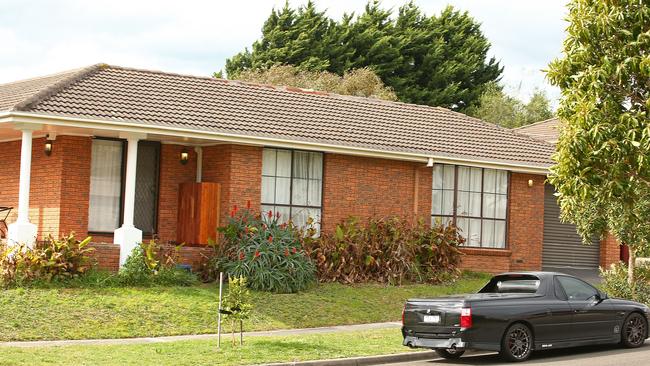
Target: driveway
590 275
581 356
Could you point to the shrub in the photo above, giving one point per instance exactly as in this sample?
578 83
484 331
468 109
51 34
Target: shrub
615 283
237 305
152 264
265 251
51 260
391 251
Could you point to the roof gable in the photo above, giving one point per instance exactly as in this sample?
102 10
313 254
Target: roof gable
547 130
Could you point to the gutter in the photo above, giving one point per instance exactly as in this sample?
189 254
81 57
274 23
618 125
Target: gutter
109 125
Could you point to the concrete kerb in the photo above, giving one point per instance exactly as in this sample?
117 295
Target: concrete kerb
365 361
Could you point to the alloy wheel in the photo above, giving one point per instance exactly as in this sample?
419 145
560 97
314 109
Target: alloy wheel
635 330
519 343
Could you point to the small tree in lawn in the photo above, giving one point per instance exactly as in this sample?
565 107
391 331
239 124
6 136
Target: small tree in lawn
602 173
237 304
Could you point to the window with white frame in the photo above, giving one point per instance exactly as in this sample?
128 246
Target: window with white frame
292 184
475 199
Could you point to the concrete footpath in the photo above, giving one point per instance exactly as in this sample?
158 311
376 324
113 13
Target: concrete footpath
282 332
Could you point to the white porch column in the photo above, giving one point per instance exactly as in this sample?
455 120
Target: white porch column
22 231
128 236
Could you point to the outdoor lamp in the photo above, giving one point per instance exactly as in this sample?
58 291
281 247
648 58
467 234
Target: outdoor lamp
48 147
185 156
530 182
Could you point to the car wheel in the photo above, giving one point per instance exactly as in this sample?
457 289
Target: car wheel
517 343
450 353
635 331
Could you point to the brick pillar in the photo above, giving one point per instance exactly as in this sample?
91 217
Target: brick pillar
610 250
526 221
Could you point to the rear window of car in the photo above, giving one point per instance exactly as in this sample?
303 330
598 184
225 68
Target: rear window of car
519 284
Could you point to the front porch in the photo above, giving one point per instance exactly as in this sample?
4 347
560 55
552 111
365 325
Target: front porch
61 179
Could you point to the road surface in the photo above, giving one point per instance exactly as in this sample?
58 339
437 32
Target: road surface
581 356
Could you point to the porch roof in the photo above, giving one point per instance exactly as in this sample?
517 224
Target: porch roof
153 99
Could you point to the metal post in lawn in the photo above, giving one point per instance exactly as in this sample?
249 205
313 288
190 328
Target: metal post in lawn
241 332
219 319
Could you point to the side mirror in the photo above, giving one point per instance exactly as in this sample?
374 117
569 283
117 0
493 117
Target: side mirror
599 297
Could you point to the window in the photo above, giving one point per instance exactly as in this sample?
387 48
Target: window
512 284
292 184
105 185
475 199
576 289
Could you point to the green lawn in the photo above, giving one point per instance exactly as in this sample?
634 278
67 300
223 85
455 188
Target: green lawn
256 350
47 314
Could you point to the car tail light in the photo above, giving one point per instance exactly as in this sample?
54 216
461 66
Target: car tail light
466 318
403 311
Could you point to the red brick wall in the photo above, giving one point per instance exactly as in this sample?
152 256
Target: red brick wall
59 191
107 255
172 173
610 251
352 186
216 169
238 169
9 179
526 221
486 260
75 183
371 187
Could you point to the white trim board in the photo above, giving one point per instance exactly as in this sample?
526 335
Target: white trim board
134 127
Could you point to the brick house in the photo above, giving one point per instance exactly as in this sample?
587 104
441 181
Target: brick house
106 151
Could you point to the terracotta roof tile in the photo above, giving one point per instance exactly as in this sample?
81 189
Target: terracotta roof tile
208 104
547 130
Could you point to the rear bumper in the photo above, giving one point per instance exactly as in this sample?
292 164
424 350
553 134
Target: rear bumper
433 343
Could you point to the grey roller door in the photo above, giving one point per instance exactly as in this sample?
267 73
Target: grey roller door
562 245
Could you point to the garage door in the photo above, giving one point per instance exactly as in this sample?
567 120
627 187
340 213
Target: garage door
562 245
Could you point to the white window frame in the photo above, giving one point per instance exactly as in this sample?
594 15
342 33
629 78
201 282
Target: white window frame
290 209
438 216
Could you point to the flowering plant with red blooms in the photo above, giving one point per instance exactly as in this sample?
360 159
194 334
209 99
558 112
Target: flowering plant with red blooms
266 250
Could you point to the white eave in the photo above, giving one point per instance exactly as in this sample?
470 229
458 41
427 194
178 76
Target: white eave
220 137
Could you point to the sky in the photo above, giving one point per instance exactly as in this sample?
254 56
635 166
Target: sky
196 37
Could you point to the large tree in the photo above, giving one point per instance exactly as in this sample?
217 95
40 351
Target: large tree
496 106
438 60
602 170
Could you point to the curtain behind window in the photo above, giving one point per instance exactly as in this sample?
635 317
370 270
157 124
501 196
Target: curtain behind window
292 182
105 186
481 199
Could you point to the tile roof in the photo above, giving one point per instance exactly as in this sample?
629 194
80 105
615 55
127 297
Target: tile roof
14 93
215 105
547 130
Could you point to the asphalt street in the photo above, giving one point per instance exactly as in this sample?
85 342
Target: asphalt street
581 356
